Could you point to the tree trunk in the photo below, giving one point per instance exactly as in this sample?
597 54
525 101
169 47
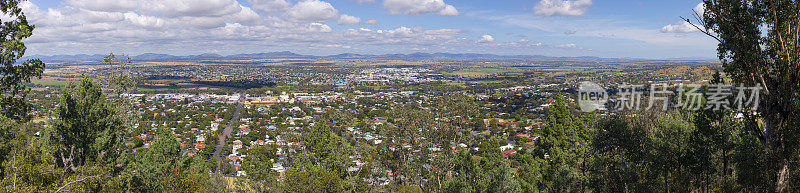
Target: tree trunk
782 181
775 125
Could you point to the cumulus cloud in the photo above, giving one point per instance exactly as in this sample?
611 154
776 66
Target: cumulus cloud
144 21
101 5
345 19
562 7
700 9
417 7
195 8
318 27
680 27
270 6
313 10
448 10
81 26
174 8
486 39
247 15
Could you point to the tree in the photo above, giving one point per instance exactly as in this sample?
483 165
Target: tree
120 82
759 44
487 172
565 146
711 144
620 154
13 74
324 150
86 130
313 180
26 168
7 127
412 123
28 171
259 164
668 151
145 168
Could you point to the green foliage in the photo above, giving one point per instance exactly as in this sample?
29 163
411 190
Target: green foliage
161 167
323 150
26 169
86 130
313 180
487 173
758 45
565 148
620 156
13 74
7 127
259 163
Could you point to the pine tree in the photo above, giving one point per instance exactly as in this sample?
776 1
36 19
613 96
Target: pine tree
12 73
86 130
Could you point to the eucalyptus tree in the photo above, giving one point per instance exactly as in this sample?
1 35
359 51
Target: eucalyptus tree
759 44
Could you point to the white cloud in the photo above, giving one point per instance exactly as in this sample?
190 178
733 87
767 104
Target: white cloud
318 27
371 22
562 7
654 37
102 5
520 44
144 21
448 10
345 19
195 8
417 7
401 32
700 9
172 8
680 27
363 1
606 28
270 6
79 26
312 10
566 46
486 39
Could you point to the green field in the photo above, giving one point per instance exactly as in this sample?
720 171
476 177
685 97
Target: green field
155 87
52 83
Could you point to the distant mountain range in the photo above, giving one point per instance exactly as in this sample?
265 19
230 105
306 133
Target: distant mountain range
152 57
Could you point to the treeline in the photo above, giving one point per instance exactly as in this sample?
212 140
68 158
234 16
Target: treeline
430 147
676 151
84 150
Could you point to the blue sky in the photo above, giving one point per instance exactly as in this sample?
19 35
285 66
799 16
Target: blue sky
616 29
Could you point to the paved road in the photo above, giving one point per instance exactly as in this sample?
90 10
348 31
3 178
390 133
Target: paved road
228 129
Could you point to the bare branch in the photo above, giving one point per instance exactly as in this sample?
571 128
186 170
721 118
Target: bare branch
80 180
701 30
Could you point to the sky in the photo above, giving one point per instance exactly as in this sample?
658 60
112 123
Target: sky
647 29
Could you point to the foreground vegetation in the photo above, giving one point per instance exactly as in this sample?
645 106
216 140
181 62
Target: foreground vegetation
445 140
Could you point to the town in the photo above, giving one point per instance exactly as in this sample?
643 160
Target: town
411 96
361 108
